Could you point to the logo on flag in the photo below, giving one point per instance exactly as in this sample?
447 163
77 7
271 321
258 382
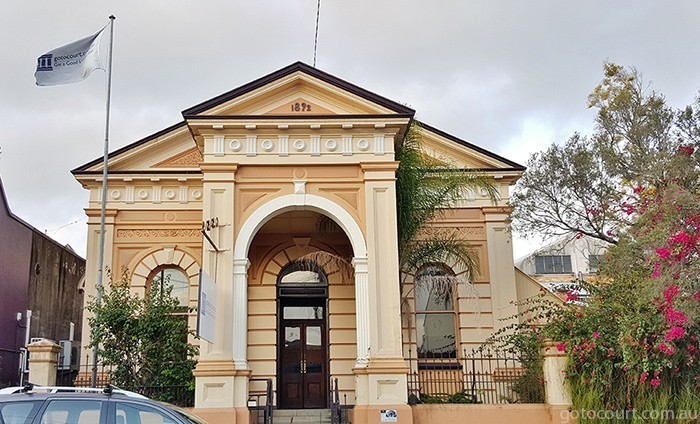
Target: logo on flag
44 63
70 63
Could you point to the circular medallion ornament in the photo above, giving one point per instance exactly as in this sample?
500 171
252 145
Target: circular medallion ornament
331 145
197 194
170 194
299 145
116 194
267 145
143 194
169 216
363 145
299 173
235 145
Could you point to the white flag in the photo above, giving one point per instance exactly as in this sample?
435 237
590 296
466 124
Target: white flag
70 63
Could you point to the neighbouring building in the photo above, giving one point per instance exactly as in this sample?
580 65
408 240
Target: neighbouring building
267 162
40 295
560 263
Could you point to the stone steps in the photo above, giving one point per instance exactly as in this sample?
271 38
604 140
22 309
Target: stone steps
301 416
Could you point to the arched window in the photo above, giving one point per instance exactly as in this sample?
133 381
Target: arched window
435 312
176 279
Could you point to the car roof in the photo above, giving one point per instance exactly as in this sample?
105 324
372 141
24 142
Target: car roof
34 389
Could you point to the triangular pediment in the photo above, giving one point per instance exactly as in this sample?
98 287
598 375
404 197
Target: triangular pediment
461 153
298 89
170 149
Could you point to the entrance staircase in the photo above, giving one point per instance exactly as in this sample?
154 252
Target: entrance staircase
301 416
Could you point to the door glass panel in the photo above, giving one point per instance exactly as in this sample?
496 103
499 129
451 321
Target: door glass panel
303 312
314 350
292 350
301 277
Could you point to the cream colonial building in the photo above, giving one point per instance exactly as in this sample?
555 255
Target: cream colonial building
268 159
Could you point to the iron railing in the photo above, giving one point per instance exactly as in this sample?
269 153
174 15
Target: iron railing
181 395
262 401
339 411
483 375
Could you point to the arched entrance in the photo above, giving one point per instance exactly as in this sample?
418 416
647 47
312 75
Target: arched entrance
302 329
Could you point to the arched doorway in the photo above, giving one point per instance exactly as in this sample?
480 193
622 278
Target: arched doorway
302 329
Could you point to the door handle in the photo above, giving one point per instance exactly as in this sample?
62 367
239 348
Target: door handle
302 366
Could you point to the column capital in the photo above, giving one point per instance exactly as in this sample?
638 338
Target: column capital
360 264
240 266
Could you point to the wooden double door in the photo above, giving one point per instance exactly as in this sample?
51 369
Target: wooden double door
302 355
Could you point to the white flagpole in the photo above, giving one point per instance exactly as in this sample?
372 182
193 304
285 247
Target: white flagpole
100 260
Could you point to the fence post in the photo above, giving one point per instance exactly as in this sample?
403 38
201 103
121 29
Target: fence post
43 360
557 394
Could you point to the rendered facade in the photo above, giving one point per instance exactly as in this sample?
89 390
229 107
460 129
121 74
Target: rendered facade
267 161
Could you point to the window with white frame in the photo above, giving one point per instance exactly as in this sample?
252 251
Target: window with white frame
435 313
553 264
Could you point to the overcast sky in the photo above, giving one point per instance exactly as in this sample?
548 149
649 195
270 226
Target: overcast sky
510 76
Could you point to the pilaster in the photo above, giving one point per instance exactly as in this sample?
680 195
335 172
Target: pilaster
215 384
501 269
383 380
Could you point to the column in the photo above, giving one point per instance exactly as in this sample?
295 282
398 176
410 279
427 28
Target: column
43 356
240 313
556 388
361 311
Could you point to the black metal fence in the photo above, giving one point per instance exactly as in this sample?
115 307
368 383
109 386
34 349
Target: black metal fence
339 411
82 377
260 402
484 375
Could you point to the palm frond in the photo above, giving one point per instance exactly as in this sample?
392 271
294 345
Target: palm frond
447 249
330 263
426 187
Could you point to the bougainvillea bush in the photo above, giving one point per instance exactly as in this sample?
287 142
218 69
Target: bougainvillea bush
635 346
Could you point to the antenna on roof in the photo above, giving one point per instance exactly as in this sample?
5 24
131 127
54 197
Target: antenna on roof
318 14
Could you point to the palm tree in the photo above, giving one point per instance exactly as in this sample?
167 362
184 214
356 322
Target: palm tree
425 188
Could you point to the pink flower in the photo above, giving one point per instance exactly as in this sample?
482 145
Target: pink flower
663 252
596 335
674 333
685 150
561 347
643 377
675 318
671 291
657 270
571 296
655 382
666 349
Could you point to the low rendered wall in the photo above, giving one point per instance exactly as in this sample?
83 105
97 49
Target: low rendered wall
490 414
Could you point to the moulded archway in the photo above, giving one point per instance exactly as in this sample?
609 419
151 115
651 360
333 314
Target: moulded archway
289 202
